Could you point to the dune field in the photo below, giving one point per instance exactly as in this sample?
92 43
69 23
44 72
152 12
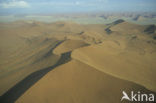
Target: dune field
66 62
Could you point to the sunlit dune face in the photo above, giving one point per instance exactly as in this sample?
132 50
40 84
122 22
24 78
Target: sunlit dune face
65 62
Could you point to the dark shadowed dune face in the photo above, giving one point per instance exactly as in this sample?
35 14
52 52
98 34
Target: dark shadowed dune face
108 31
20 56
118 22
65 62
150 29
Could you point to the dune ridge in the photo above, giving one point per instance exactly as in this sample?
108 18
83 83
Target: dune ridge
76 63
78 82
120 63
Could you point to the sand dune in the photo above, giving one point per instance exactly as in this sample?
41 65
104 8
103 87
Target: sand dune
150 29
79 83
126 27
91 63
20 57
69 45
128 62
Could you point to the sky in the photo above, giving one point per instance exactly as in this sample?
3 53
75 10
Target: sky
67 6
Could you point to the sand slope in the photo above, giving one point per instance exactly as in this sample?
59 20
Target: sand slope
22 56
123 61
90 65
76 82
126 27
69 45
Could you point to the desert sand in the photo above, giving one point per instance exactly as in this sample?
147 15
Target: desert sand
65 62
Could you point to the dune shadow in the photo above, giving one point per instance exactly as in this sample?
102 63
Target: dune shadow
15 92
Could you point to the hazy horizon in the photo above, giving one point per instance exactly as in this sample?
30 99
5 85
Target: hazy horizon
74 6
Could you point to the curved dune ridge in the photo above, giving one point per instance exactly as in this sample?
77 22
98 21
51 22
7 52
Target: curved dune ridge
28 56
127 27
77 82
128 63
69 45
67 62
